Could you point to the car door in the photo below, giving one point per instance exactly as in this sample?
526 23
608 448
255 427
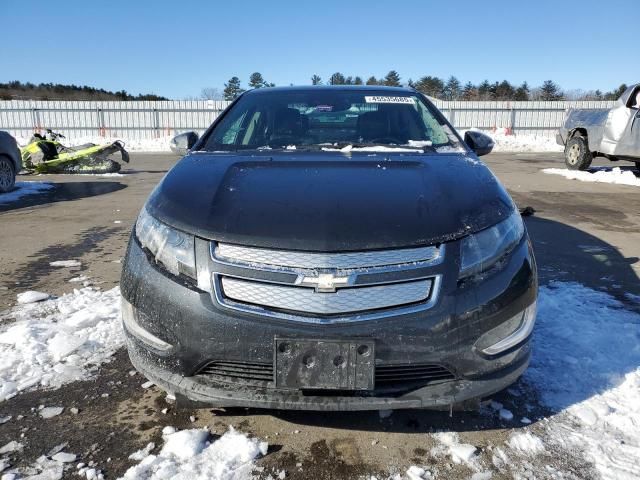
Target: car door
622 129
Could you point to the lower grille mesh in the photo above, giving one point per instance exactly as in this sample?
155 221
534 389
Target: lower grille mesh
386 375
260 372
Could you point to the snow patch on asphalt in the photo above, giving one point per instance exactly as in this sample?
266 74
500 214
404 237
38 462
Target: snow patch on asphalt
60 340
23 189
66 263
32 296
586 365
604 175
193 455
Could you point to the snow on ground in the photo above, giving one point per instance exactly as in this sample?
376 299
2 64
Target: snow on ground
192 455
65 263
56 341
586 365
601 175
23 189
519 142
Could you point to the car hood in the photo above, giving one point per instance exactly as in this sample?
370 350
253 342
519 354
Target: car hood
329 201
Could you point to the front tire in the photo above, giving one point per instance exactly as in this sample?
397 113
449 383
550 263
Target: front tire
577 155
7 175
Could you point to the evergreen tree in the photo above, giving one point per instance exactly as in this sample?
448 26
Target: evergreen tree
469 92
337 79
392 79
372 80
522 93
550 91
504 91
256 80
452 88
316 80
348 80
484 90
431 86
232 89
357 81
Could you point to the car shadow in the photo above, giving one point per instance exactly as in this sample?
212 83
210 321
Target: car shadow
564 254
59 192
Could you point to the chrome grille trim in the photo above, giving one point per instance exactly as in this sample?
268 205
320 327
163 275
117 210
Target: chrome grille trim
343 301
356 317
288 259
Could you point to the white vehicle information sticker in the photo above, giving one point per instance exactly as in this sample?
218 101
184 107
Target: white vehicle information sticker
377 99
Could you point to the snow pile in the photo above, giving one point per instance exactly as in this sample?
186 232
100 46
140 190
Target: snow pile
59 340
459 452
520 142
65 263
190 455
32 296
586 363
526 443
23 189
615 175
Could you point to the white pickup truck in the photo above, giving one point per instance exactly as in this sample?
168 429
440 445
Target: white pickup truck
613 133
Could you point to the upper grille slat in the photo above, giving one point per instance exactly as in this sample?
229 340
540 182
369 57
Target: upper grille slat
313 260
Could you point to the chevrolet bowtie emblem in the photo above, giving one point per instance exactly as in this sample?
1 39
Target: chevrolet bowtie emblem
325 282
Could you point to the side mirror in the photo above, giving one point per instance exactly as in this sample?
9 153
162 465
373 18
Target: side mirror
479 142
181 144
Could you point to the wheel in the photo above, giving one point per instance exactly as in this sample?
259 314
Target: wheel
577 155
7 175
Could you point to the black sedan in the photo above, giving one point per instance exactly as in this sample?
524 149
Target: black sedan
330 248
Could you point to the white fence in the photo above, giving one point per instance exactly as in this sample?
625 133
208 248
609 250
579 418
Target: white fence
145 120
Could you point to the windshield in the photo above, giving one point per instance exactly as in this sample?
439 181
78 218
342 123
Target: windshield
329 120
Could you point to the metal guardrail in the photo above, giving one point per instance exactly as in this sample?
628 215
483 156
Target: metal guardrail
147 119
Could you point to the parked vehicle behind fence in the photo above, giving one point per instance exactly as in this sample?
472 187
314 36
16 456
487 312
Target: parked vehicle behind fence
330 248
613 133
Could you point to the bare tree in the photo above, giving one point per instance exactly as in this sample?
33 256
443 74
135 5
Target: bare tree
210 93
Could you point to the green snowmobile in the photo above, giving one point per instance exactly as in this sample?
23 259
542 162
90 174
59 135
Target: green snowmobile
45 154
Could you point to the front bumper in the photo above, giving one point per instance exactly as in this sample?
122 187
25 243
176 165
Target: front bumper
200 330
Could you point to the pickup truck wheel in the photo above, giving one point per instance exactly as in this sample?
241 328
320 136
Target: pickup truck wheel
7 175
577 155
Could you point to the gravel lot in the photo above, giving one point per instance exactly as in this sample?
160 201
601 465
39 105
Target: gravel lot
582 232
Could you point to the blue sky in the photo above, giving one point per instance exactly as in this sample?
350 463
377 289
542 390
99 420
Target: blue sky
176 48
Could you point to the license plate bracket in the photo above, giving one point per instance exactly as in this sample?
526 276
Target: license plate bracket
324 364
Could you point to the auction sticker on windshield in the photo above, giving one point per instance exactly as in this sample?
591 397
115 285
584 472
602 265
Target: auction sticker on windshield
378 99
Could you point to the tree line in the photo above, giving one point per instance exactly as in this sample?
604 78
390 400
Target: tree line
449 89
17 90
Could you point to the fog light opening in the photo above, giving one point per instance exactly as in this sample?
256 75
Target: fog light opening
518 336
134 328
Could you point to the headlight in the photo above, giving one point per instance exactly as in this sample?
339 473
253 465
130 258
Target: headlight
483 249
172 248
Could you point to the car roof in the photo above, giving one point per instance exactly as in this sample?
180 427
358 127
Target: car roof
316 88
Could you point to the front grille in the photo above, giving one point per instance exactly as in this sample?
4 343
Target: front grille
386 376
306 300
326 287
